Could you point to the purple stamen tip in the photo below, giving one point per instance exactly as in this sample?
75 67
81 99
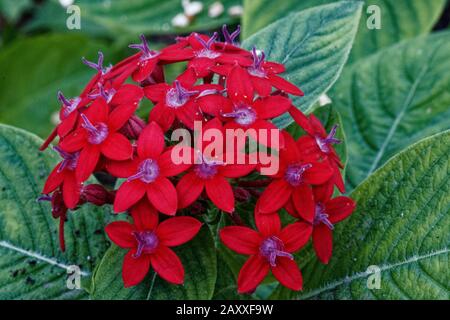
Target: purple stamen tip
44 197
229 38
63 99
322 217
273 247
147 242
147 53
147 171
294 173
97 66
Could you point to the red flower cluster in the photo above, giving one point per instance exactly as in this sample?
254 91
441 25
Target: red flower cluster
224 87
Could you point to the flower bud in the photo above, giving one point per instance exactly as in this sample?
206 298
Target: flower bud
96 194
133 127
241 194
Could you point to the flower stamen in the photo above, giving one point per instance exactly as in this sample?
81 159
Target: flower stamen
273 247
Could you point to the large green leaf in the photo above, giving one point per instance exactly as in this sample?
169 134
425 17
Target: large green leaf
400 19
31 263
129 18
13 9
393 99
32 72
200 265
401 226
314 45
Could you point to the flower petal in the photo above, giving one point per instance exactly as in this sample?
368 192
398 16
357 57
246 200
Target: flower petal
252 273
163 196
295 236
163 116
284 85
121 233
319 173
134 269
268 224
168 168
53 181
176 231
239 85
128 194
151 142
275 196
220 193
339 208
123 169
323 242
242 240
87 162
145 216
74 141
288 273
271 107
167 265
117 147
304 204
189 189
120 115
71 190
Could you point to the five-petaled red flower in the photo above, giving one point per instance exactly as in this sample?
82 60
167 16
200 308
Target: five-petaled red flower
149 243
97 135
270 248
147 174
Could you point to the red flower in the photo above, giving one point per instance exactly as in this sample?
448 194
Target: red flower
269 248
327 213
293 181
205 54
149 244
63 176
149 59
211 175
147 174
177 101
98 135
318 144
263 75
59 211
246 113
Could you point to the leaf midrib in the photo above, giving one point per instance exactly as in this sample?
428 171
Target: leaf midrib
35 255
363 274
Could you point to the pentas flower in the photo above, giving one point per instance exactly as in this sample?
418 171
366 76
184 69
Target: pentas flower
210 173
328 212
177 101
263 75
246 113
149 245
63 177
97 135
147 174
126 94
269 248
319 144
149 59
204 54
293 181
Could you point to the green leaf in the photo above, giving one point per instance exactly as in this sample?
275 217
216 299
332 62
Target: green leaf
34 69
400 19
393 99
314 45
31 263
401 226
129 18
199 260
13 9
